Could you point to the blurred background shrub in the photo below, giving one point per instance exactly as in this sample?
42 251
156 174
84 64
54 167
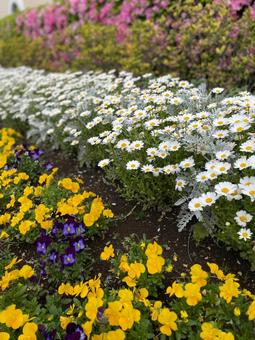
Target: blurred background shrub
202 40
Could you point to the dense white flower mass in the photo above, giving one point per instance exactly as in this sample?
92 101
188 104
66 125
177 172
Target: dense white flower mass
157 128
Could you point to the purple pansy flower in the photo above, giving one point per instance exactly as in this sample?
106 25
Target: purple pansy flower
48 166
68 259
42 243
55 228
53 256
78 244
100 313
35 154
80 229
74 332
45 334
69 228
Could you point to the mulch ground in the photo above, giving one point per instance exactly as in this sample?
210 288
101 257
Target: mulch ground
131 219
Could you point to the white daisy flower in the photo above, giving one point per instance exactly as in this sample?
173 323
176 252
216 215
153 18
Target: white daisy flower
249 191
147 168
195 204
94 140
164 146
132 165
248 146
203 114
162 154
89 125
123 144
187 163
242 218
202 177
217 90
152 152
244 234
136 145
211 165
180 184
150 124
220 134
176 101
247 181
223 155
208 198
225 188
223 167
239 127
85 114
170 169
212 174
241 163
220 122
50 131
104 162
174 146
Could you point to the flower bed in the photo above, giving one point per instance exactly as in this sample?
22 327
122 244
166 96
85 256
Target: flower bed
48 293
163 141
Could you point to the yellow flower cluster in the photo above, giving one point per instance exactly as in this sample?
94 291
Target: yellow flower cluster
209 332
25 208
155 262
15 319
97 208
25 272
7 141
122 309
122 313
68 184
42 215
72 205
118 334
107 253
46 179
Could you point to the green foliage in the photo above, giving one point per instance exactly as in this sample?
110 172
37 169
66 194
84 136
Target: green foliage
144 49
98 48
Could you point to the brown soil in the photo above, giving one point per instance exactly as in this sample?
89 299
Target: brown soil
132 220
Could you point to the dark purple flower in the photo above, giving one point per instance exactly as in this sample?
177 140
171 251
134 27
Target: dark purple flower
100 313
68 259
45 334
80 229
78 244
19 153
48 166
42 243
74 332
69 228
35 154
55 228
53 256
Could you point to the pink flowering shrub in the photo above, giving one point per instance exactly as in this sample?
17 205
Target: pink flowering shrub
238 7
121 14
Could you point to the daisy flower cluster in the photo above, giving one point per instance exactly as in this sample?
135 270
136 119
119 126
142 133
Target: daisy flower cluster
163 139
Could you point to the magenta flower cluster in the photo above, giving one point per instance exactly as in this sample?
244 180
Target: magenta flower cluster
238 6
35 23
